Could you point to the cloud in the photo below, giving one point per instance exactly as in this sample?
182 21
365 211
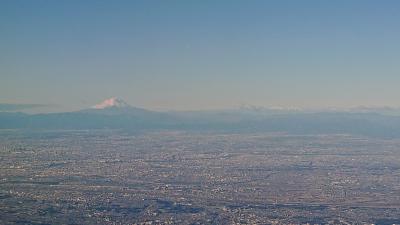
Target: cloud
8 107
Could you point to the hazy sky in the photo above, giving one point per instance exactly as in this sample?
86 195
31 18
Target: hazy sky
200 54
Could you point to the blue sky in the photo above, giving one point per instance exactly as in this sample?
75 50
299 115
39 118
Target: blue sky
200 54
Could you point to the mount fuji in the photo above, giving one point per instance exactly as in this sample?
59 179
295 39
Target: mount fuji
117 106
112 102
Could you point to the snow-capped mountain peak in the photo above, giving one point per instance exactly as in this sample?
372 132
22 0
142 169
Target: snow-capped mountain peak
111 102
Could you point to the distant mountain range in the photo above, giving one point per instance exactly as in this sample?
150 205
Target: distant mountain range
114 113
